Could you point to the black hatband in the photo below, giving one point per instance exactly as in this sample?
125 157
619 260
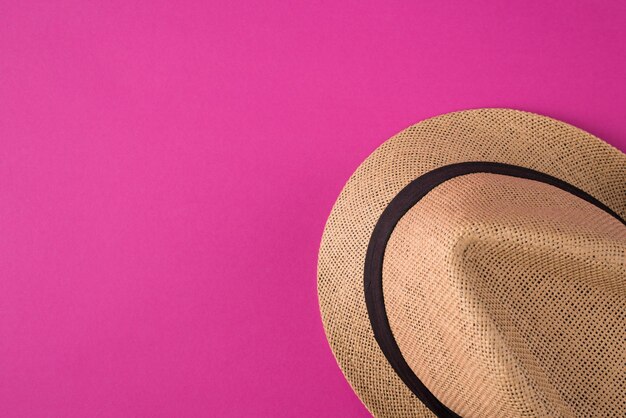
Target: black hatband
397 208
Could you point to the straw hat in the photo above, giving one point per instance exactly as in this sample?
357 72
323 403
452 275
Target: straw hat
475 265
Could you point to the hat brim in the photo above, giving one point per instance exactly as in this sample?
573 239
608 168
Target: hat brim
483 135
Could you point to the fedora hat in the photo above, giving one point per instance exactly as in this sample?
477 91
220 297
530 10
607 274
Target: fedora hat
475 265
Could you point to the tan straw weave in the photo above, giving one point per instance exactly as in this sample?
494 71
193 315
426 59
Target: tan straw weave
506 296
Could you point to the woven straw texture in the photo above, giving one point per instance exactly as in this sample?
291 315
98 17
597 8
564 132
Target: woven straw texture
507 297
503 350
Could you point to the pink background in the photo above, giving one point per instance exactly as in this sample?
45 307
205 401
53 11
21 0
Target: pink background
166 169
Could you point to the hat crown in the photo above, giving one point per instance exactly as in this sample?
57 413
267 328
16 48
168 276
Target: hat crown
505 297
